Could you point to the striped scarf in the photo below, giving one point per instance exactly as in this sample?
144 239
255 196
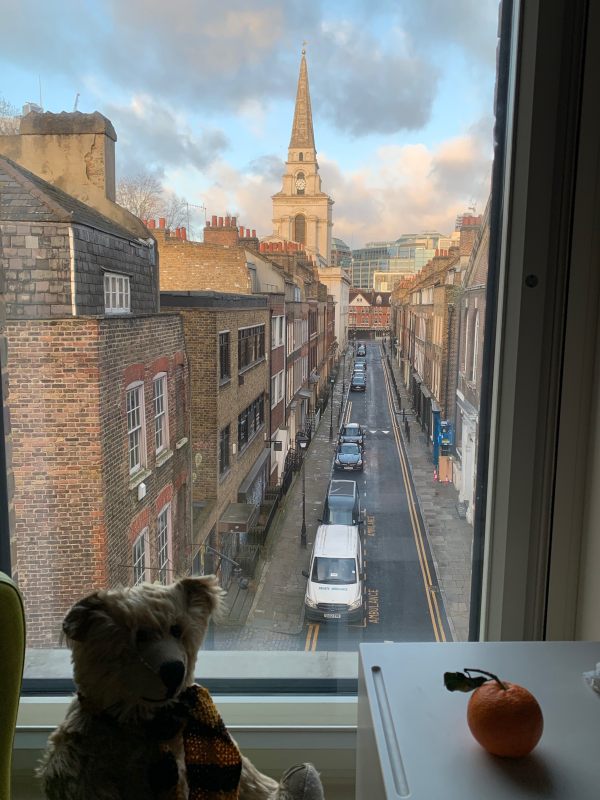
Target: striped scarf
213 762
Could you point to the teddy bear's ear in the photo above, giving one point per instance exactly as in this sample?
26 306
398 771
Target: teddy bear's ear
80 618
204 592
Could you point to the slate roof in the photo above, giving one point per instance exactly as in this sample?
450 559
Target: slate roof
25 197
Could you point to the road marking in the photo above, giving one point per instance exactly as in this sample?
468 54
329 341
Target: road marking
311 637
373 606
432 601
370 525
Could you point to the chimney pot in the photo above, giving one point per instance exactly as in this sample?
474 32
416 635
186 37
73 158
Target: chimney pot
253 233
178 233
184 234
233 222
151 223
214 220
220 222
162 222
242 231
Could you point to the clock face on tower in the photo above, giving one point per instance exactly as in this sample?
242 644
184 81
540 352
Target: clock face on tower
300 183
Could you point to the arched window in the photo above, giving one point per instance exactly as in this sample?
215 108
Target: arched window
300 156
300 228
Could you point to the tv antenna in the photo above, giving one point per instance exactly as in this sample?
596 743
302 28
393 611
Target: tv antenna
76 101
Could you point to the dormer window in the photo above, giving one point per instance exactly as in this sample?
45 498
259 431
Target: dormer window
116 294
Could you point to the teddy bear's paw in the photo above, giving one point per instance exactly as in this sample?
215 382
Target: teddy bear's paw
300 782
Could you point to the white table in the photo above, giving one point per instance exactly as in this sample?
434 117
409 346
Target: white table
413 739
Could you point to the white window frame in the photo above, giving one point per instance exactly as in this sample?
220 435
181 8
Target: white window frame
117 293
164 545
161 415
140 558
475 347
138 430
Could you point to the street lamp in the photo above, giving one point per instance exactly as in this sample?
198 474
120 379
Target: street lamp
331 385
302 441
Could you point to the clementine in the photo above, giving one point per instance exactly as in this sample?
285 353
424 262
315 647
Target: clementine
505 718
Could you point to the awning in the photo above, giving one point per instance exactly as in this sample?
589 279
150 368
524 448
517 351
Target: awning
255 469
305 393
238 518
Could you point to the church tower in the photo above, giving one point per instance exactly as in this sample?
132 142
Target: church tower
301 211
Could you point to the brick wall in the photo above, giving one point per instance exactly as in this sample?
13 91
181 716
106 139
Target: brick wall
59 526
215 405
74 507
199 266
4 410
132 349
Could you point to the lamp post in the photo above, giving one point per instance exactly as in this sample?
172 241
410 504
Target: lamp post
302 441
331 385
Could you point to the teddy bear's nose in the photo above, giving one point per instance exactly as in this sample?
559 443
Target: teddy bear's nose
171 673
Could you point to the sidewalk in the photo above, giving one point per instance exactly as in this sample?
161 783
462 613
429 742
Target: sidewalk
279 600
450 536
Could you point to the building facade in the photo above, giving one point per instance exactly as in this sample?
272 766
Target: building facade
98 384
369 314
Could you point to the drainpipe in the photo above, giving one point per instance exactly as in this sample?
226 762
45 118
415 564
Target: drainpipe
450 313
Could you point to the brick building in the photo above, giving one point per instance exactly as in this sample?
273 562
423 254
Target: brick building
98 386
368 314
300 329
471 317
423 323
227 345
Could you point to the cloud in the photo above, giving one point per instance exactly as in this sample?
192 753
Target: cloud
371 73
401 189
153 137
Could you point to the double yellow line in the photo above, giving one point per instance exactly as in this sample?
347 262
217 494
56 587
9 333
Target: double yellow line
311 637
430 593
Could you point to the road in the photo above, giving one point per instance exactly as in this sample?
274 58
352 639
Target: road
403 602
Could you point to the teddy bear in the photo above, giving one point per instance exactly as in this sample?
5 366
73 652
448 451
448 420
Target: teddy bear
139 728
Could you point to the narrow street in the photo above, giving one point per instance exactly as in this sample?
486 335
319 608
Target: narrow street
402 599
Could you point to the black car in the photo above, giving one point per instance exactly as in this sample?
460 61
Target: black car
358 383
353 433
349 456
360 360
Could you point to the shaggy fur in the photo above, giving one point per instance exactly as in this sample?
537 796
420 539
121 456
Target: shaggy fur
134 654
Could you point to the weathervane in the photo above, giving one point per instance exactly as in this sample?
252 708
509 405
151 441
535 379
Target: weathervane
303 48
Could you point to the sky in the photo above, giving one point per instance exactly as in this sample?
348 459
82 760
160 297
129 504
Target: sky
202 94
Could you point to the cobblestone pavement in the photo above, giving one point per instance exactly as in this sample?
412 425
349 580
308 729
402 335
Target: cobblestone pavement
273 608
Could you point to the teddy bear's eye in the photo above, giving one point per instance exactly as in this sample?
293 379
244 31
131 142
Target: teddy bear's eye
175 630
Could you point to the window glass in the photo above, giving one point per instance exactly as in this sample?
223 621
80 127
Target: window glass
104 370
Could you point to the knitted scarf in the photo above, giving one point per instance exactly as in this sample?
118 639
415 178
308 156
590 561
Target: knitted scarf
213 762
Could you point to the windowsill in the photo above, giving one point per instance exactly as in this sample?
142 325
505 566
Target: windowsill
181 443
243 449
225 382
163 457
252 365
224 475
139 477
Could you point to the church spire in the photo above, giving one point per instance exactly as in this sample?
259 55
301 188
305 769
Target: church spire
302 129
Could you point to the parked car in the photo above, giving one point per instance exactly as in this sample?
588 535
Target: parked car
361 350
349 456
358 383
342 504
360 360
352 432
335 586
359 368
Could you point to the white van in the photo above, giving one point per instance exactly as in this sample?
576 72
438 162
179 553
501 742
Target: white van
335 581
